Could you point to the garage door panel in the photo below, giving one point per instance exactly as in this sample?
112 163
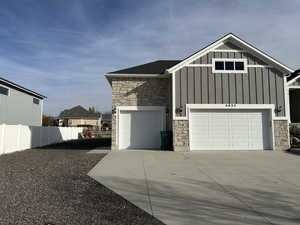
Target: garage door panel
229 129
140 129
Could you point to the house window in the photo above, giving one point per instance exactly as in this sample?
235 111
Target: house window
36 101
229 65
4 90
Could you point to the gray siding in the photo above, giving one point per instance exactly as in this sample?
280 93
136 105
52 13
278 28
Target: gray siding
18 108
252 60
198 85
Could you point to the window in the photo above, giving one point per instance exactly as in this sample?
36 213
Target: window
4 90
229 65
239 66
219 65
36 101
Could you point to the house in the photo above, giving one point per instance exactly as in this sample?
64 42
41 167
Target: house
19 105
78 116
106 122
227 96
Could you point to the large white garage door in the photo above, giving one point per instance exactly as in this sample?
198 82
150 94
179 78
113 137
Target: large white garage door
140 129
230 129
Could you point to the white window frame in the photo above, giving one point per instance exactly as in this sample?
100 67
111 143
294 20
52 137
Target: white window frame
6 88
229 60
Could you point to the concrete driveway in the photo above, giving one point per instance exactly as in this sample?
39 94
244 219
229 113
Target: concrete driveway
209 187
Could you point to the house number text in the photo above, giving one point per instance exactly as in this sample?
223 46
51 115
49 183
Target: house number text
230 105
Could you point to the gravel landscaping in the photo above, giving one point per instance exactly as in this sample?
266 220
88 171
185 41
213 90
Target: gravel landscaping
50 187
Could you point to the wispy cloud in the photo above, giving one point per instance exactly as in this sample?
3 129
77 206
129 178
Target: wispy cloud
63 48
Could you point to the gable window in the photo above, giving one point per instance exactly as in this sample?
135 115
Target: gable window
4 90
229 66
36 101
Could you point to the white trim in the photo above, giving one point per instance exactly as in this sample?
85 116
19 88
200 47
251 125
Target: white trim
219 43
231 106
228 50
229 60
1 85
260 66
42 111
287 99
194 57
211 65
294 79
269 107
119 110
281 118
199 65
293 87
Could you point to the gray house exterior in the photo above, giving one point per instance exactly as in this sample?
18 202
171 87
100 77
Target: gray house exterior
229 95
19 105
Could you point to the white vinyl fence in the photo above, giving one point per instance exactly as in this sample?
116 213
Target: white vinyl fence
18 137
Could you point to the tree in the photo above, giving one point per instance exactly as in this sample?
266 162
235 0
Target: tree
92 109
49 121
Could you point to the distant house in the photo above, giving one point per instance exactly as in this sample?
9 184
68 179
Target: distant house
106 122
78 116
19 105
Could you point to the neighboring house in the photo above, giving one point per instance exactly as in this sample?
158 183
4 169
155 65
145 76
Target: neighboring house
227 96
79 117
106 122
293 82
19 105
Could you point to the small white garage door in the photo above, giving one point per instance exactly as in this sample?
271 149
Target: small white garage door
230 129
140 129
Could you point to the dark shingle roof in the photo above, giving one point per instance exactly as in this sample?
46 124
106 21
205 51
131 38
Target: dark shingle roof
156 67
78 112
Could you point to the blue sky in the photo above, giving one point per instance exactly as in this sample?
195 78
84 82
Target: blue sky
63 48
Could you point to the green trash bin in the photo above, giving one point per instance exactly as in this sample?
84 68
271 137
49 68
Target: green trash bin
166 140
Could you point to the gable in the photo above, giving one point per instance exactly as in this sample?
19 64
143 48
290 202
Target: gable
229 51
232 44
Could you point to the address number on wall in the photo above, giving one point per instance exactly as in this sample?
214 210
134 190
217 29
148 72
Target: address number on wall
230 105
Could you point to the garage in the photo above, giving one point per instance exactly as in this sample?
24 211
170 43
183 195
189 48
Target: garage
230 129
140 129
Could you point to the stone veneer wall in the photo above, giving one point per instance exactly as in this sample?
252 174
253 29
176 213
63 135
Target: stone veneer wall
181 135
139 92
281 134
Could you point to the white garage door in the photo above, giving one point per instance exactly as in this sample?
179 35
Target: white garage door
230 129
140 129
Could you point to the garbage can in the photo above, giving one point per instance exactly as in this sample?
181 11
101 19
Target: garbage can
166 140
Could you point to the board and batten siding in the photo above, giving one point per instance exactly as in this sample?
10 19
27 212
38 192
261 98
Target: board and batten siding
198 85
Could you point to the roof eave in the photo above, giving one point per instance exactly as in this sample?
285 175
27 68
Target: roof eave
35 94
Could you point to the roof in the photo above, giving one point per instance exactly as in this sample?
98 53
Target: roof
220 41
294 75
155 67
78 112
20 88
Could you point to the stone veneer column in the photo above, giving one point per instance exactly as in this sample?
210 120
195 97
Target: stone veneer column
139 92
281 134
181 135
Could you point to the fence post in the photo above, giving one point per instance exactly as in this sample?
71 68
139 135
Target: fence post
2 151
